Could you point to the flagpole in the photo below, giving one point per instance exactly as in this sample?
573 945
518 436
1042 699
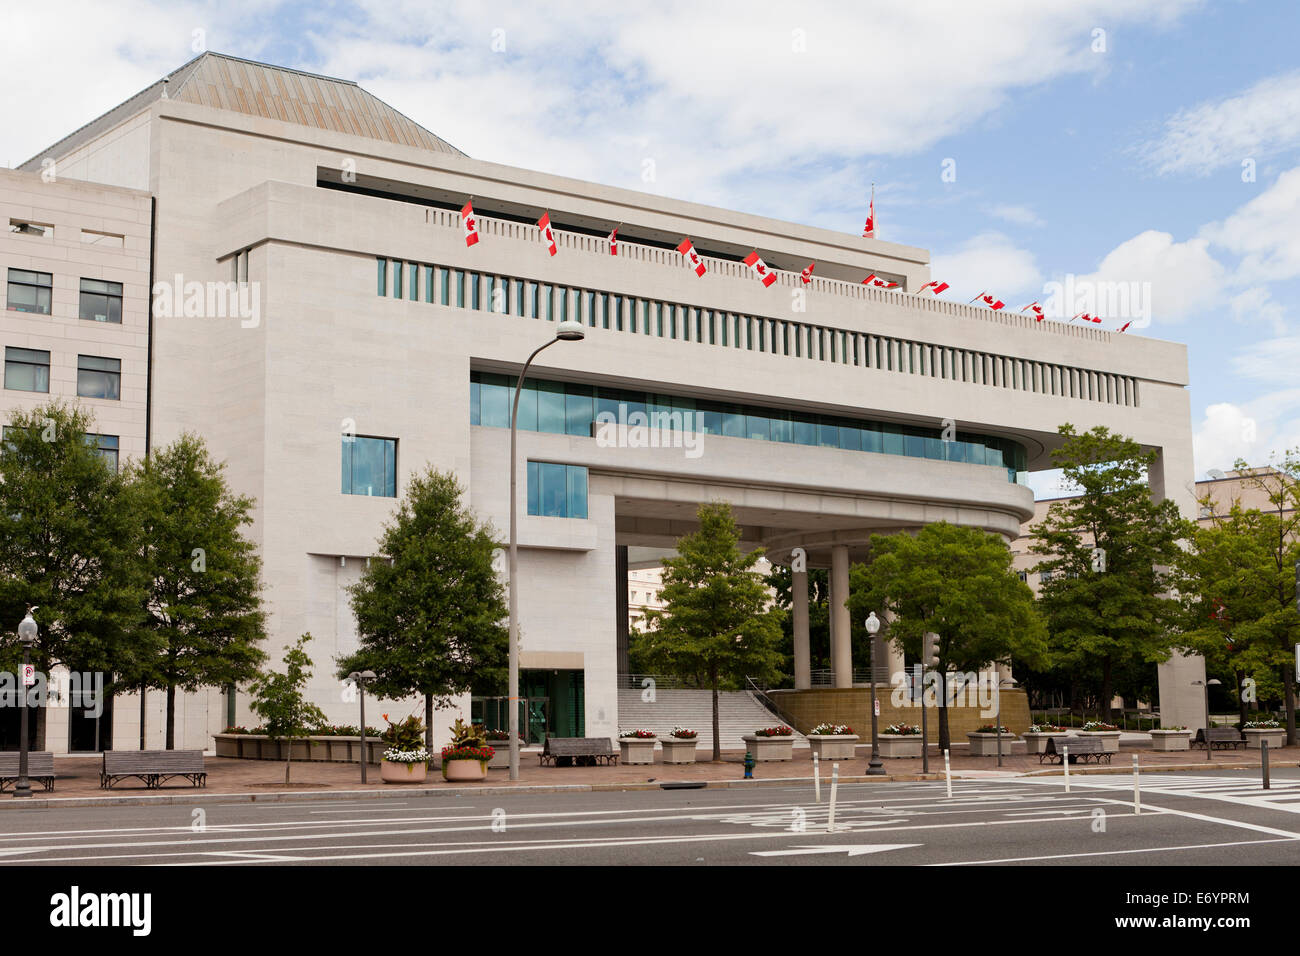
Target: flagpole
874 228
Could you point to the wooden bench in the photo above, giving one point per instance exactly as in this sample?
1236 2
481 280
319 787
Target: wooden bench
577 752
152 767
1221 738
1080 749
40 769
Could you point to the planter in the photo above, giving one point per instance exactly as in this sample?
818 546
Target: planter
391 772
900 745
986 745
833 746
770 748
1109 739
461 770
1276 737
501 755
1037 743
261 747
1169 740
679 749
637 749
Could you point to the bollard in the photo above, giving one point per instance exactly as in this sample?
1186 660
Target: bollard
947 773
835 785
1065 762
1137 788
749 765
817 779
1263 761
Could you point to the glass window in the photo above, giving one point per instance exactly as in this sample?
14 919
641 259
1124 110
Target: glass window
850 437
871 440
494 401
828 436
557 491
577 491
458 285
733 421
101 301
475 289
579 410
106 445
381 276
528 407
550 407
397 279
914 446
782 427
428 284
474 413
415 282
616 306
370 466
758 426
892 441
27 370
99 377
548 303
517 296
805 432
30 291
444 287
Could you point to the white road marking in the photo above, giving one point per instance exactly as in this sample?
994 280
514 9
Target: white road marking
851 849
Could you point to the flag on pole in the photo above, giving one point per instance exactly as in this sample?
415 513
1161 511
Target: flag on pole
1086 317
1124 327
935 287
613 242
806 275
992 301
469 223
869 230
874 281
756 263
1035 308
687 248
548 235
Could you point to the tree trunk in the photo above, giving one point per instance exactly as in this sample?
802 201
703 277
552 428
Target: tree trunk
428 723
1107 691
171 718
717 736
143 688
945 741
289 757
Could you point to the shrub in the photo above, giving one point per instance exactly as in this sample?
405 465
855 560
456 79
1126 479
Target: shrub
903 730
1098 725
779 731
829 730
638 735
684 733
991 729
405 735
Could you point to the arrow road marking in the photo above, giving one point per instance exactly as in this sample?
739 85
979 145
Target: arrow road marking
850 849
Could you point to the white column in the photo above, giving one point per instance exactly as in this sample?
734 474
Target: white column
799 607
841 648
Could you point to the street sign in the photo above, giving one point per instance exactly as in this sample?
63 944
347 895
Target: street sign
29 675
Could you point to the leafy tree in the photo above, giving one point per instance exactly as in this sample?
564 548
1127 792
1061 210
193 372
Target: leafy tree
203 608
430 610
957 584
1122 612
67 545
279 700
715 621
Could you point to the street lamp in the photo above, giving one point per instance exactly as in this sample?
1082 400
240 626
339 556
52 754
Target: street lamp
27 633
1207 684
1005 682
360 679
566 331
873 628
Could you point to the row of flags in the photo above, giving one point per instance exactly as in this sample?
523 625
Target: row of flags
469 223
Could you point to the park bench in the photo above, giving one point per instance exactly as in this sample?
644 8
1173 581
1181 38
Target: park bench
40 769
1080 749
577 751
152 767
1221 738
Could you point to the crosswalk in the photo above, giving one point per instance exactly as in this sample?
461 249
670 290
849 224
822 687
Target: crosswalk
1283 795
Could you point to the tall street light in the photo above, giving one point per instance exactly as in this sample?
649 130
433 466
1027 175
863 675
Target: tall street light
359 680
873 628
1207 684
27 633
566 331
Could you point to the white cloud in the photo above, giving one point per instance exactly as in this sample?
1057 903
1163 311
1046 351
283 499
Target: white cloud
1252 431
1020 215
989 262
1272 360
1182 278
1264 232
1257 306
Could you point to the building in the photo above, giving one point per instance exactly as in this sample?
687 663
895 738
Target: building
342 325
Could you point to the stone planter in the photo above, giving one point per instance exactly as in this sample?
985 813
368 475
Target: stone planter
1170 740
770 748
637 749
833 746
261 747
986 745
1037 743
1109 739
1276 737
900 745
391 772
501 758
679 749
460 770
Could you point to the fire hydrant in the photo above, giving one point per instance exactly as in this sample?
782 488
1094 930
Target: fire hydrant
749 765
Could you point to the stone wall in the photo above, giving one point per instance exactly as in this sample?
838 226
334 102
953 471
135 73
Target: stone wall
805 709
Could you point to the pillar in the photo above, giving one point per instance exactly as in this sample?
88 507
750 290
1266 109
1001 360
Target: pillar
841 648
799 608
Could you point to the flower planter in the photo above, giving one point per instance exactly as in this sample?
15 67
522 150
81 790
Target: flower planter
1276 737
900 745
986 745
1170 740
833 746
458 770
1036 743
261 747
1109 739
637 749
679 749
391 772
501 754
770 748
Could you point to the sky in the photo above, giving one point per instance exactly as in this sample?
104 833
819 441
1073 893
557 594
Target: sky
1153 145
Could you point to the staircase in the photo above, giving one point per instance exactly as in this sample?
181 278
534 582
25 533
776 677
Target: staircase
739 713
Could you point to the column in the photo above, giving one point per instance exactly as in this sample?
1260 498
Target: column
841 648
799 608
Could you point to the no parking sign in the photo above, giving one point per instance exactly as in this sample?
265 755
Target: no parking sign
29 675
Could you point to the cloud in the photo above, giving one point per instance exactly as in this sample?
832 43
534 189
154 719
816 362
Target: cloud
1020 215
1256 305
1252 431
1171 280
1271 360
989 262
1264 232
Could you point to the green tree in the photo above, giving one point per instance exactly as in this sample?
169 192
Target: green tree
1123 611
430 610
203 608
279 700
67 545
715 621
956 583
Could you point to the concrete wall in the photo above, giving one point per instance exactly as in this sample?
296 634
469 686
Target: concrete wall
805 709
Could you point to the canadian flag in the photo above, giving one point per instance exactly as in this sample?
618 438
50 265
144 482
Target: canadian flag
1035 308
806 275
873 280
869 230
992 301
755 262
1124 327
1086 317
469 222
687 248
544 224
935 287
613 242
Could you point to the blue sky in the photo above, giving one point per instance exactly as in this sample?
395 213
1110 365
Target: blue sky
1122 163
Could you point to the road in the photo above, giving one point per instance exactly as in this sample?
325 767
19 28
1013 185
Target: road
1211 819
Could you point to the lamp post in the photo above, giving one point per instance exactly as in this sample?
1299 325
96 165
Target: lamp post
360 679
873 628
1006 682
27 633
566 331
1207 684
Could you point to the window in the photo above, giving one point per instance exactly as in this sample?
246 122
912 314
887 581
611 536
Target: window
30 291
397 280
99 377
381 275
557 491
370 466
27 370
101 301
106 445
104 240
38 230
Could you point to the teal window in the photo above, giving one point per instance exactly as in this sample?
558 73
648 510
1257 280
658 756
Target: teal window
397 280
557 491
579 410
381 275
27 370
548 301
616 306
415 282
444 287
370 466
518 297
475 289
550 408
428 284
494 401
458 281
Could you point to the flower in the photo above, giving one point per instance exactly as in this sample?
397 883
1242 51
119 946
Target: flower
828 730
639 734
395 755
684 733
903 730
467 753
779 731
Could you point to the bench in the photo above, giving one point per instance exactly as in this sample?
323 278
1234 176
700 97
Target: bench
152 767
1221 738
1080 749
577 752
40 769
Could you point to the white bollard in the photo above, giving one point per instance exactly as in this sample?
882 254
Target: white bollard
947 773
835 785
1137 788
1065 762
817 779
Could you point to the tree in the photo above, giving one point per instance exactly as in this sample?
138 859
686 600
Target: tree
957 584
715 620
204 604
279 700
1112 605
430 610
67 545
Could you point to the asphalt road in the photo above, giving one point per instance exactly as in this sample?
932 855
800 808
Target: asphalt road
1187 819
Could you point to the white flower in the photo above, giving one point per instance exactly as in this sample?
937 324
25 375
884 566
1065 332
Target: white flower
393 755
